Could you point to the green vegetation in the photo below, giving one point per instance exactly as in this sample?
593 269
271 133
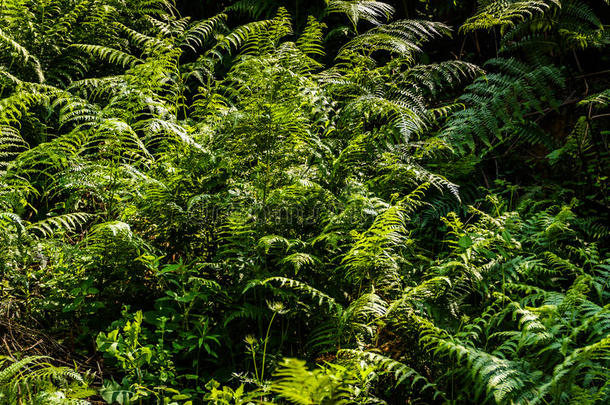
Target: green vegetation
304 202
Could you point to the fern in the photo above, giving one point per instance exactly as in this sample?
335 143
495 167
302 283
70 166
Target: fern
495 104
356 10
400 371
109 54
302 287
23 53
325 184
35 380
67 222
401 37
506 13
298 385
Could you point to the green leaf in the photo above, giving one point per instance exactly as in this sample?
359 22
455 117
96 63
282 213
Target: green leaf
113 393
465 242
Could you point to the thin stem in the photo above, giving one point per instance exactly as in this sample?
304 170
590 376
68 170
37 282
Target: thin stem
265 347
254 361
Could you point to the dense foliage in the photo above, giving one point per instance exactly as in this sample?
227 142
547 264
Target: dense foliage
304 202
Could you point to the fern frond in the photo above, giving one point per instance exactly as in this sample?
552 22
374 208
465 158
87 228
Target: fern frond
24 54
401 372
402 37
65 222
298 385
310 41
111 55
504 13
368 10
317 295
199 32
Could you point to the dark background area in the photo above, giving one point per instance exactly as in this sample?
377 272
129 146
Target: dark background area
404 8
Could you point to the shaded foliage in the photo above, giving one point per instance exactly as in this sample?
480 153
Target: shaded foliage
333 202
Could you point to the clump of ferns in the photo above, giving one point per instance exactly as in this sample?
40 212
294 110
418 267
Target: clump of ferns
157 72
540 316
300 209
357 207
507 14
333 383
36 381
497 102
356 376
543 29
28 242
395 113
402 99
375 255
371 262
338 325
505 370
62 63
558 30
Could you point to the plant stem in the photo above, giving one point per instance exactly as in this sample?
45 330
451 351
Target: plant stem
265 347
254 361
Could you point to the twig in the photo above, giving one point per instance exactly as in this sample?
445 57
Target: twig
33 346
603 72
600 116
